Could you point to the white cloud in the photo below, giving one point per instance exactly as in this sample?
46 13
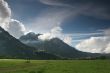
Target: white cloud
107 32
45 36
56 32
15 28
107 49
5 12
96 44
68 40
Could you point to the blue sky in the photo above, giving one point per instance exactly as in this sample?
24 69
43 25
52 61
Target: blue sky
27 10
83 19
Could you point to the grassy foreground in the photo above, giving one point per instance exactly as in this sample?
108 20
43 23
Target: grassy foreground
54 66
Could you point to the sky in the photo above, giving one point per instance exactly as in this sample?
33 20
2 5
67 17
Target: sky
83 24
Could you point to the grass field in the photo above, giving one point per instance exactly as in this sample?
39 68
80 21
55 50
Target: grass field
54 66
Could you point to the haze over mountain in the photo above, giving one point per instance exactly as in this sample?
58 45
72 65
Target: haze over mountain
54 45
11 47
54 48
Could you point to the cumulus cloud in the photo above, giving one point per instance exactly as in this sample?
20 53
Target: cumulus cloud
14 27
56 32
5 12
96 44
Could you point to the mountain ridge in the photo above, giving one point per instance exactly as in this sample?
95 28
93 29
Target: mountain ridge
57 47
10 47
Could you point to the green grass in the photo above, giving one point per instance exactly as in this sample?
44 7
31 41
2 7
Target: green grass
54 66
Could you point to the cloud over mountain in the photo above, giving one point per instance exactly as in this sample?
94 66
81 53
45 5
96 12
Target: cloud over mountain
14 27
56 32
5 11
99 44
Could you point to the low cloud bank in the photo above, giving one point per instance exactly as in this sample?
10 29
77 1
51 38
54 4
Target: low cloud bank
96 44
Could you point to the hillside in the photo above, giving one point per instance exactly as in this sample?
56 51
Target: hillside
55 46
11 47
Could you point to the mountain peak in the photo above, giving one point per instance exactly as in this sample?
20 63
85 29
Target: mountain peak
30 36
31 33
11 47
54 45
56 40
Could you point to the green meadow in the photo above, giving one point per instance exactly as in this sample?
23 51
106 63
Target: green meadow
54 66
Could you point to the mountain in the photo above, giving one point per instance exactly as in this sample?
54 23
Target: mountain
55 46
11 47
